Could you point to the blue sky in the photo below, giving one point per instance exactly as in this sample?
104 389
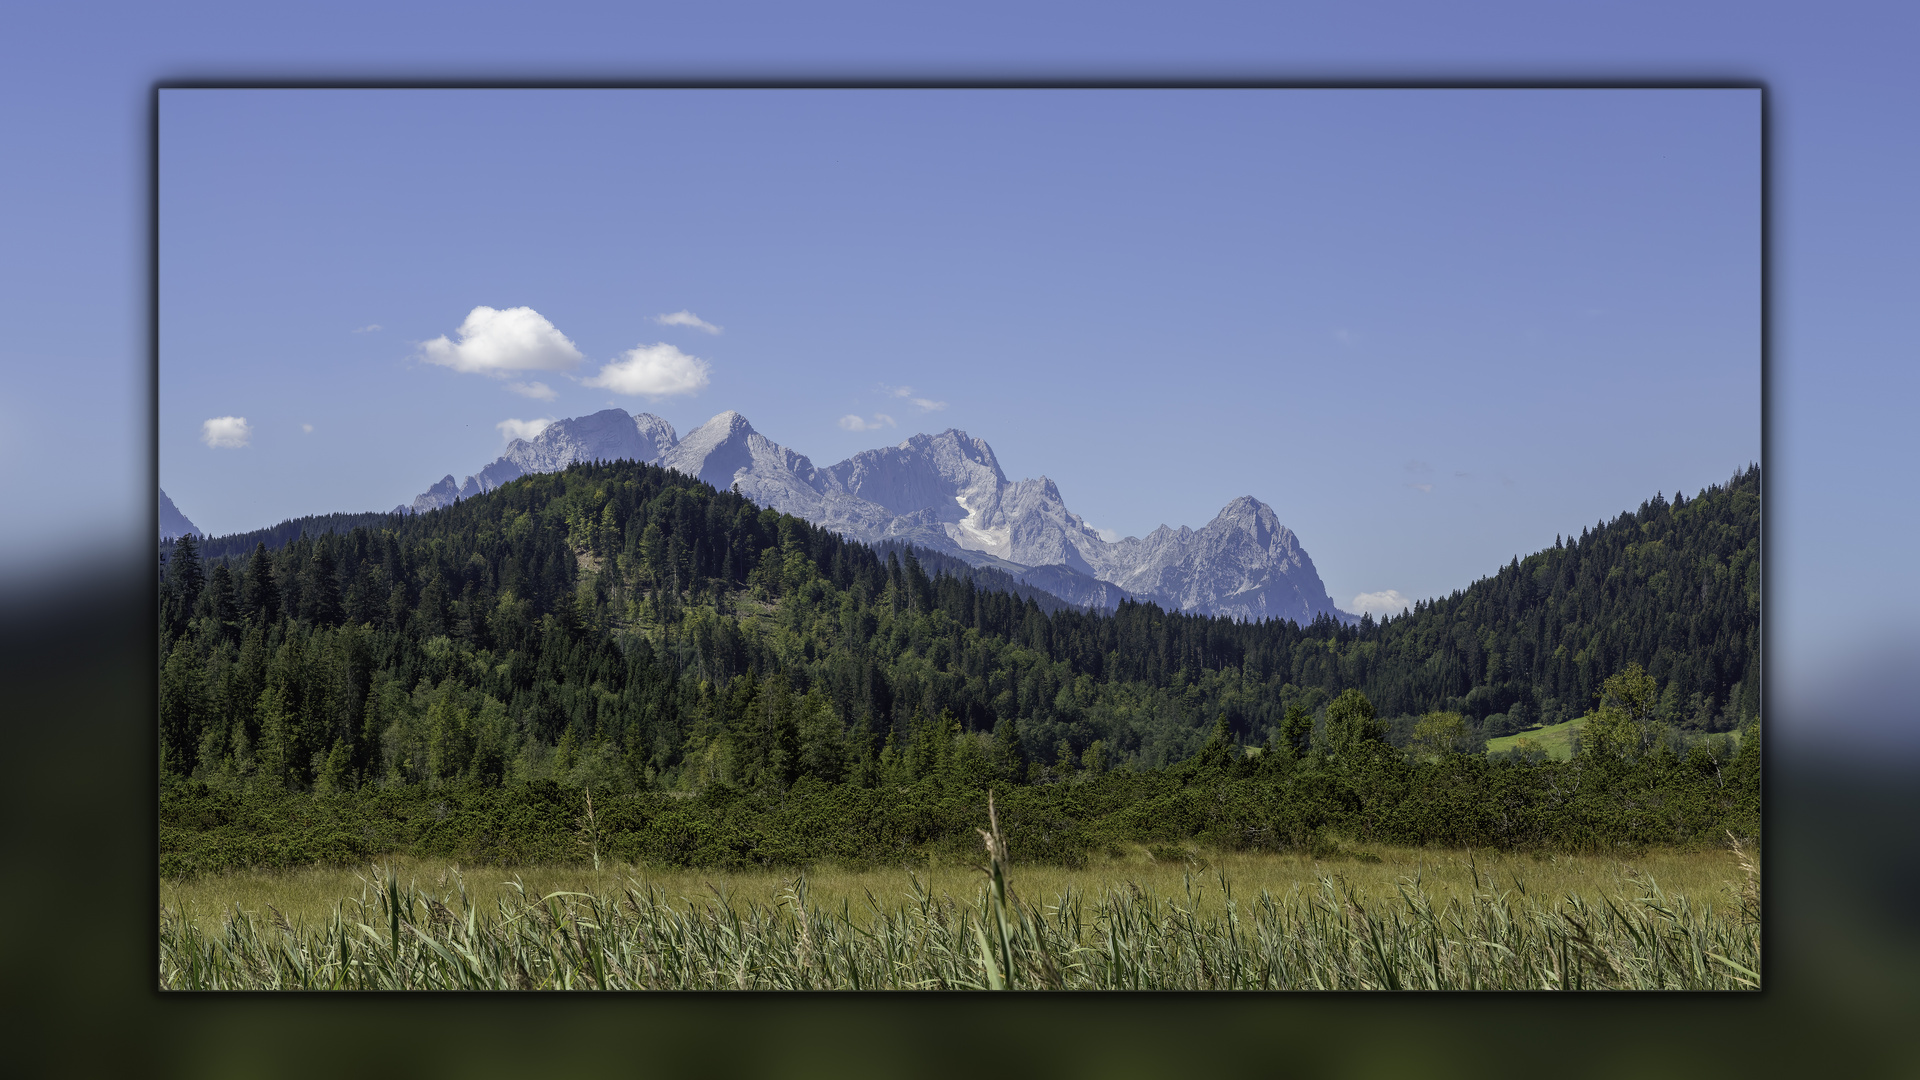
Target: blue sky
75 421
1432 328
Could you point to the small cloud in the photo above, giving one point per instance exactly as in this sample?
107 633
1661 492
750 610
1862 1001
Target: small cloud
1463 474
308 428
226 432
369 328
539 391
1384 602
523 429
654 371
851 422
924 404
1417 466
1344 337
1111 536
686 318
501 342
1422 487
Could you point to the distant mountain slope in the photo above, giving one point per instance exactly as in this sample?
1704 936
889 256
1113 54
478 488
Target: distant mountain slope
947 493
173 523
608 435
279 536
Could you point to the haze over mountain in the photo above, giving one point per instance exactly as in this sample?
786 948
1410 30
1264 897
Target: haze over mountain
173 523
947 493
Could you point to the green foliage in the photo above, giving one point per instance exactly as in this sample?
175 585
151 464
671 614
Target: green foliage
1351 725
1439 734
1625 725
633 629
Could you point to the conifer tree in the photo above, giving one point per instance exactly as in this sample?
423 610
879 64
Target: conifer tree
321 592
186 574
1296 731
1009 755
262 592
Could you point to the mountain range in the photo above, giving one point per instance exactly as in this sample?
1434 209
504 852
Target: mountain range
947 493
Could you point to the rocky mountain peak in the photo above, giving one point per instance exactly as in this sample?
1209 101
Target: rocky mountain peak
716 451
173 523
947 492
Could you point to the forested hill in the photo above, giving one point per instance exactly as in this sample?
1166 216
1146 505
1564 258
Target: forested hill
638 624
278 536
275 537
1673 586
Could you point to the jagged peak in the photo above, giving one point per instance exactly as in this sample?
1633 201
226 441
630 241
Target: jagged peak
728 426
616 411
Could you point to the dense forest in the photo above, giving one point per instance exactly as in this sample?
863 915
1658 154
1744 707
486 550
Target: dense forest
278 536
632 630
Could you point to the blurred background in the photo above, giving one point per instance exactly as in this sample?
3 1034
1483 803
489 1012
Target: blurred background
76 551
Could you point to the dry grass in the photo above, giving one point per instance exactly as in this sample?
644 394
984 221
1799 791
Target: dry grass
308 896
1414 921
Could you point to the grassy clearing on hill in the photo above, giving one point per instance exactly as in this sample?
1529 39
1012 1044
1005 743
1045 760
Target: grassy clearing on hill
1554 740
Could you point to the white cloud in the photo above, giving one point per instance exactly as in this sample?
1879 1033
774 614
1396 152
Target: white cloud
308 428
226 432
683 317
539 391
925 404
1111 536
853 423
502 342
369 328
658 370
523 429
1385 602
1428 488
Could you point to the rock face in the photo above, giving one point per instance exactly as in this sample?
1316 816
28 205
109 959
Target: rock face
1243 563
947 493
173 523
610 435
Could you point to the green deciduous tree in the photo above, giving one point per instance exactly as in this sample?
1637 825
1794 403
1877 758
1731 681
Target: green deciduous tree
1625 723
1351 724
1438 734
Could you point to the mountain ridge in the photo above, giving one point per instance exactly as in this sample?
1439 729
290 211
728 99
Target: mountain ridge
173 523
947 492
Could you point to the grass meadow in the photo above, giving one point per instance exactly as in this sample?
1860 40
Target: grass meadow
1554 740
1161 918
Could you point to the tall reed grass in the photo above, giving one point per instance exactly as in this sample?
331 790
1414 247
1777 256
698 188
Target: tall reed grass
396 935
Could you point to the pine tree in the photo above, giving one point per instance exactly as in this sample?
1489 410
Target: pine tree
1009 755
321 592
336 775
186 575
1296 732
219 602
262 596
